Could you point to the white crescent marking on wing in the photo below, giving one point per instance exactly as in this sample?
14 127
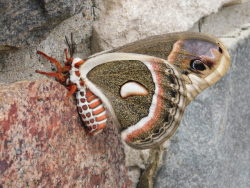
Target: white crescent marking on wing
132 88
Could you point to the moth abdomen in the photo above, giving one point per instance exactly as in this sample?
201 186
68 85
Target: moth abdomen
90 106
92 110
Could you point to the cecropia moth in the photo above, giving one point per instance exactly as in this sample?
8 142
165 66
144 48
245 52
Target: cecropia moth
145 86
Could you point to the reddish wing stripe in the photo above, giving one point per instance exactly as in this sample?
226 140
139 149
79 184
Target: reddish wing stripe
159 104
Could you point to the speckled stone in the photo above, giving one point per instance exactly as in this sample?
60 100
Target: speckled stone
44 145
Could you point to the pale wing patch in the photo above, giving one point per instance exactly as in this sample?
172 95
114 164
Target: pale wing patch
132 88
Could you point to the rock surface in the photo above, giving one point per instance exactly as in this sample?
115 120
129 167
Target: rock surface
44 145
122 21
25 22
21 64
211 147
229 22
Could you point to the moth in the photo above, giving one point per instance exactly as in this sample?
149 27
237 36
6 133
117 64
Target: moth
143 87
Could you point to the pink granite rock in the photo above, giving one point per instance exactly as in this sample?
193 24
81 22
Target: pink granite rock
44 145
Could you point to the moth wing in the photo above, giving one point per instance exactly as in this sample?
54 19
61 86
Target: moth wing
182 49
146 94
159 45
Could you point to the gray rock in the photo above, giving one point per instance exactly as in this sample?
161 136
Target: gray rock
211 147
25 22
21 64
125 21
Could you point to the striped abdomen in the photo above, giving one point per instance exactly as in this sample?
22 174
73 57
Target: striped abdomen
91 109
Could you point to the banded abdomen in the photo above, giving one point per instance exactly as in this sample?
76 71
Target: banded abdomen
91 109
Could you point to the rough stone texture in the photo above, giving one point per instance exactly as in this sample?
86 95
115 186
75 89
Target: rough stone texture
234 2
228 23
136 161
43 143
125 21
24 22
21 64
211 147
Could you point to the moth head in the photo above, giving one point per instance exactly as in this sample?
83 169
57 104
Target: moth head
202 61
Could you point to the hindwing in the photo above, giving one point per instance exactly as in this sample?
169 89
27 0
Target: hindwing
145 93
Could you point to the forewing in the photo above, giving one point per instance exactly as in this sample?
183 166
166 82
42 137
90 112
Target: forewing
182 50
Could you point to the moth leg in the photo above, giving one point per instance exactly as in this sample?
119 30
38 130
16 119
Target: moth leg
59 76
52 60
66 68
60 69
72 89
